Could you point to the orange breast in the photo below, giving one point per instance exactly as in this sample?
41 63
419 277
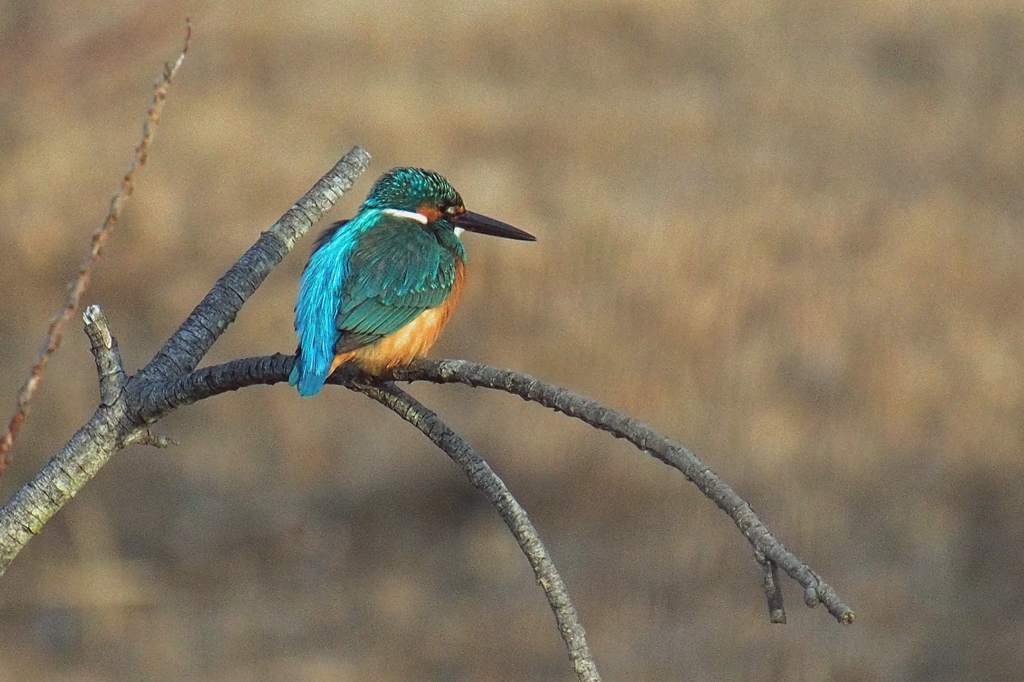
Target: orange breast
413 340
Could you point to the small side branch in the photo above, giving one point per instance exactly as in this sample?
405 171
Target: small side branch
106 432
78 286
109 366
486 481
144 436
772 589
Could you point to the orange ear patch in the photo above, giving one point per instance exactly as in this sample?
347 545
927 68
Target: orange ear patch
431 212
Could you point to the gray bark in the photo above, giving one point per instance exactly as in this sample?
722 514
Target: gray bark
128 405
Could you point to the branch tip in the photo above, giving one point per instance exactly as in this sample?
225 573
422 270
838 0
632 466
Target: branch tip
97 327
109 366
772 588
170 69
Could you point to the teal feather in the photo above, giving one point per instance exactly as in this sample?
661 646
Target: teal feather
366 279
319 298
397 272
407 188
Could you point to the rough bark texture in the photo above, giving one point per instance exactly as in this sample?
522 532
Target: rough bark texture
59 480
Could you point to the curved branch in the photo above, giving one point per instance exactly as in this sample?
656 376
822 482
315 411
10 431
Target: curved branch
649 441
486 481
211 381
197 334
158 399
271 369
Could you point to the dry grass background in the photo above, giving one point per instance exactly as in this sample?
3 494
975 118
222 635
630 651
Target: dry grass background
788 234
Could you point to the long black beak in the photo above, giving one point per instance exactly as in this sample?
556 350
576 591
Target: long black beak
474 222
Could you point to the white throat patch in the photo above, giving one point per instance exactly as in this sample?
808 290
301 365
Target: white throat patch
410 215
458 232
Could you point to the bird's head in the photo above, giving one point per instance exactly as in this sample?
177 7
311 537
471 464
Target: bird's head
425 196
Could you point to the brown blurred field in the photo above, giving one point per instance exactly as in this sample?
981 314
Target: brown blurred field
788 234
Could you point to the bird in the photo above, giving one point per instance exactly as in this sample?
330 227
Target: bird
379 288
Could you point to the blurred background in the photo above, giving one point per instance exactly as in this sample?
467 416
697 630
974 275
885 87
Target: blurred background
787 234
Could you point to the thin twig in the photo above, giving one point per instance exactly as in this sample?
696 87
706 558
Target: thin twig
772 589
147 437
78 286
490 484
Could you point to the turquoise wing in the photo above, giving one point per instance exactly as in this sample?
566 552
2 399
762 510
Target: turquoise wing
396 272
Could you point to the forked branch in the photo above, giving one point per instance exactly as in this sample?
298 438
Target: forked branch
272 369
125 412
648 441
118 424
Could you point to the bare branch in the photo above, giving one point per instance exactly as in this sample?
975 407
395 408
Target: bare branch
170 380
119 424
649 441
271 369
486 481
197 334
107 431
78 286
57 482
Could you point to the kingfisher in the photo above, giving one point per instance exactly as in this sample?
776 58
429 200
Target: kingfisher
379 288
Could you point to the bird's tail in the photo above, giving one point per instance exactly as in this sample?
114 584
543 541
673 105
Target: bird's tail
307 375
